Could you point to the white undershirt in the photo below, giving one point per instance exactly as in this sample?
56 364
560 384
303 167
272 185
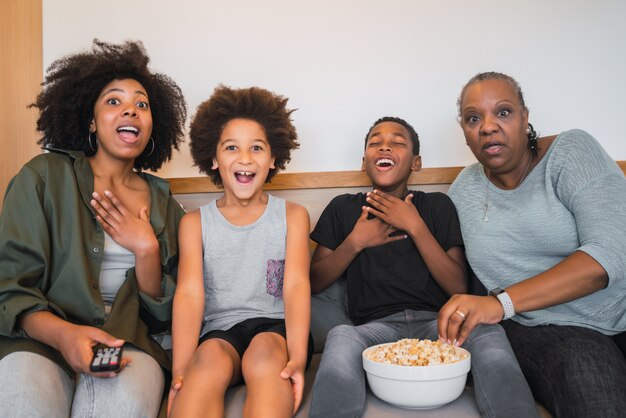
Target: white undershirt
115 262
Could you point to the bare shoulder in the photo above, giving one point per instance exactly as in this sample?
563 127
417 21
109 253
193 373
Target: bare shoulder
297 215
295 210
190 235
190 221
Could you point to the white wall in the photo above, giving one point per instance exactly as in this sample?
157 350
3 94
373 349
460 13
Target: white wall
344 63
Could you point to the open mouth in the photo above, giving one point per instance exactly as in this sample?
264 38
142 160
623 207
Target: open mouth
492 147
130 129
128 133
385 162
244 176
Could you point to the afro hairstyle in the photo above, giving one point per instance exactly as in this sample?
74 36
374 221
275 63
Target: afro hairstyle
254 103
73 84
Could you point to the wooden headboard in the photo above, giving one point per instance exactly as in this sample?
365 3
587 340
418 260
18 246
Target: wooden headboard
314 190
325 180
322 180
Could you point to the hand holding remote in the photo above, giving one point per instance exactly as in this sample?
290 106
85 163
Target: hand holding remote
76 346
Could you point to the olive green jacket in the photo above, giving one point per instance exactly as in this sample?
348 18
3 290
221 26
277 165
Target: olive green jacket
51 248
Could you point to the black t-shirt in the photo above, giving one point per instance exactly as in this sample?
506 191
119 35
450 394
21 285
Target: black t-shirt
393 277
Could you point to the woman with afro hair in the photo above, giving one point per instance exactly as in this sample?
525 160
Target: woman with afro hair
88 241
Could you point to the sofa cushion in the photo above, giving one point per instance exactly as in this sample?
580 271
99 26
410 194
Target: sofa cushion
328 309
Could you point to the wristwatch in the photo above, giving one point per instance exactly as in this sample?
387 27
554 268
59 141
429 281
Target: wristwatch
505 300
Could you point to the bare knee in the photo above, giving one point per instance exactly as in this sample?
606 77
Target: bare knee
211 352
215 358
269 395
266 355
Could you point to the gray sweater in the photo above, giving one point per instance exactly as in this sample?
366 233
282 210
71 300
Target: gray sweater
573 200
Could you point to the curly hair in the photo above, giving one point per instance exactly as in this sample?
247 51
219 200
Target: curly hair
493 75
262 106
414 137
73 84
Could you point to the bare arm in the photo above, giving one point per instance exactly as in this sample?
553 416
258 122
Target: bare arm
188 300
446 267
328 265
576 276
189 296
136 235
297 297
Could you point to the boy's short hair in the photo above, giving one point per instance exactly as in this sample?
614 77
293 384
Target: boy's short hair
225 104
414 137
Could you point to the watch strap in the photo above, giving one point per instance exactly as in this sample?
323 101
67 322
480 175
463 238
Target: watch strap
507 305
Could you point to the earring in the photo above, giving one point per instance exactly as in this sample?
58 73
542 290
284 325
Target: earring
94 149
152 150
532 138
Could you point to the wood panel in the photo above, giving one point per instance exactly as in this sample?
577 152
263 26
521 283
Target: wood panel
322 180
21 72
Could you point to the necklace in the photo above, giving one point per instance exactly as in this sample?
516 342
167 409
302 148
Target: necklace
521 179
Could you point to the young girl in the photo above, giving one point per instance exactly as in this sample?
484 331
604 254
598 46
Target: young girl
241 257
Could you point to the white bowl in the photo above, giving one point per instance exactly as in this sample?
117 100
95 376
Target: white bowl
416 387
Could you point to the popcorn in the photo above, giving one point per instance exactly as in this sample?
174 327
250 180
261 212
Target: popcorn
416 352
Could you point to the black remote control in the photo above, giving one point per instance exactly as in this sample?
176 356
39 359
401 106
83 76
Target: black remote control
106 359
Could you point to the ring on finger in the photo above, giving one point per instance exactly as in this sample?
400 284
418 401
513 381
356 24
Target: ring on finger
461 314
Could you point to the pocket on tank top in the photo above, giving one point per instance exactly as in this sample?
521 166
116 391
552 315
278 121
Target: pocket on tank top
275 273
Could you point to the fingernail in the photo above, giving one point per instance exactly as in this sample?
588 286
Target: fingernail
455 343
94 194
107 193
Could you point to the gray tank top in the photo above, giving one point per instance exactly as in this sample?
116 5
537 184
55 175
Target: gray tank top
243 266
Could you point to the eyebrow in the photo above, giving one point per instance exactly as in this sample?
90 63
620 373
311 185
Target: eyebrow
377 133
114 89
223 141
498 103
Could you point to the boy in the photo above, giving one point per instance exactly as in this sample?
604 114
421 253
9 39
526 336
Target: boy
401 253
241 308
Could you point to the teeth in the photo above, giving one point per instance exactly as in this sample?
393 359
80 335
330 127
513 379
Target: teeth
244 173
385 161
128 128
